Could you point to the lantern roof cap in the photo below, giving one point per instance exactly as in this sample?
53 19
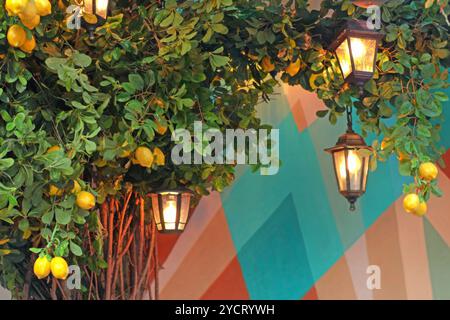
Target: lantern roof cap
355 28
175 190
349 140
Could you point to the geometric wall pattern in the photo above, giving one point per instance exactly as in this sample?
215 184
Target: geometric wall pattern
291 235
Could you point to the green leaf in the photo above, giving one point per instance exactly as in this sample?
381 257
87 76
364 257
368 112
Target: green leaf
75 249
63 216
136 81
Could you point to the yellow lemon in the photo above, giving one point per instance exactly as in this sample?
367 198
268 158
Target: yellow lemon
76 187
30 10
411 202
85 200
29 45
41 267
43 7
16 36
54 191
53 149
421 210
267 64
144 157
59 268
160 158
30 22
294 68
14 7
428 171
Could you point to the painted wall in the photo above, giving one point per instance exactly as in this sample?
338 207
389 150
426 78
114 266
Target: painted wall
291 236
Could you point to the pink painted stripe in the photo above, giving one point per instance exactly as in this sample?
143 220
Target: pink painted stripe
358 261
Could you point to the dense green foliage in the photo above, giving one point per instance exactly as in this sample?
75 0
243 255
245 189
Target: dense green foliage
168 65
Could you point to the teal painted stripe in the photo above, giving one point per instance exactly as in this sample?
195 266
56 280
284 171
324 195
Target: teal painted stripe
253 199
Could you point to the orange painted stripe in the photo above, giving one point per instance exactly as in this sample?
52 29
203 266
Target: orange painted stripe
384 251
203 263
230 285
413 253
337 283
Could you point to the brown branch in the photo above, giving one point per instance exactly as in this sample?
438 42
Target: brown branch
109 271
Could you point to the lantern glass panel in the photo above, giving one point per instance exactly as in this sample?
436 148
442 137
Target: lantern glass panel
102 8
343 54
363 53
184 211
156 213
169 205
349 165
89 6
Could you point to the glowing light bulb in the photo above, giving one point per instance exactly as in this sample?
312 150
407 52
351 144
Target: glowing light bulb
170 214
358 48
353 163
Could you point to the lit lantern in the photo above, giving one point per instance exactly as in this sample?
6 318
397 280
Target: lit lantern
171 209
351 157
95 14
356 50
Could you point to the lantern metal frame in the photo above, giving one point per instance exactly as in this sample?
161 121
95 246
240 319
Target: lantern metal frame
179 192
351 141
100 20
356 29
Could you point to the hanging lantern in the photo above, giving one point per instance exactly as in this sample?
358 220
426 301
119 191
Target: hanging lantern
95 13
351 158
356 50
171 209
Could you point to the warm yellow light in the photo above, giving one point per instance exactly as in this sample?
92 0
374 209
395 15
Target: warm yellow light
343 54
353 163
102 8
170 214
358 48
363 52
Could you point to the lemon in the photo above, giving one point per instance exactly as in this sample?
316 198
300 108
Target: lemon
428 171
411 202
144 157
29 45
76 187
30 10
41 267
267 64
53 149
85 200
14 7
54 191
421 210
160 158
293 68
16 36
43 7
30 22
59 268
